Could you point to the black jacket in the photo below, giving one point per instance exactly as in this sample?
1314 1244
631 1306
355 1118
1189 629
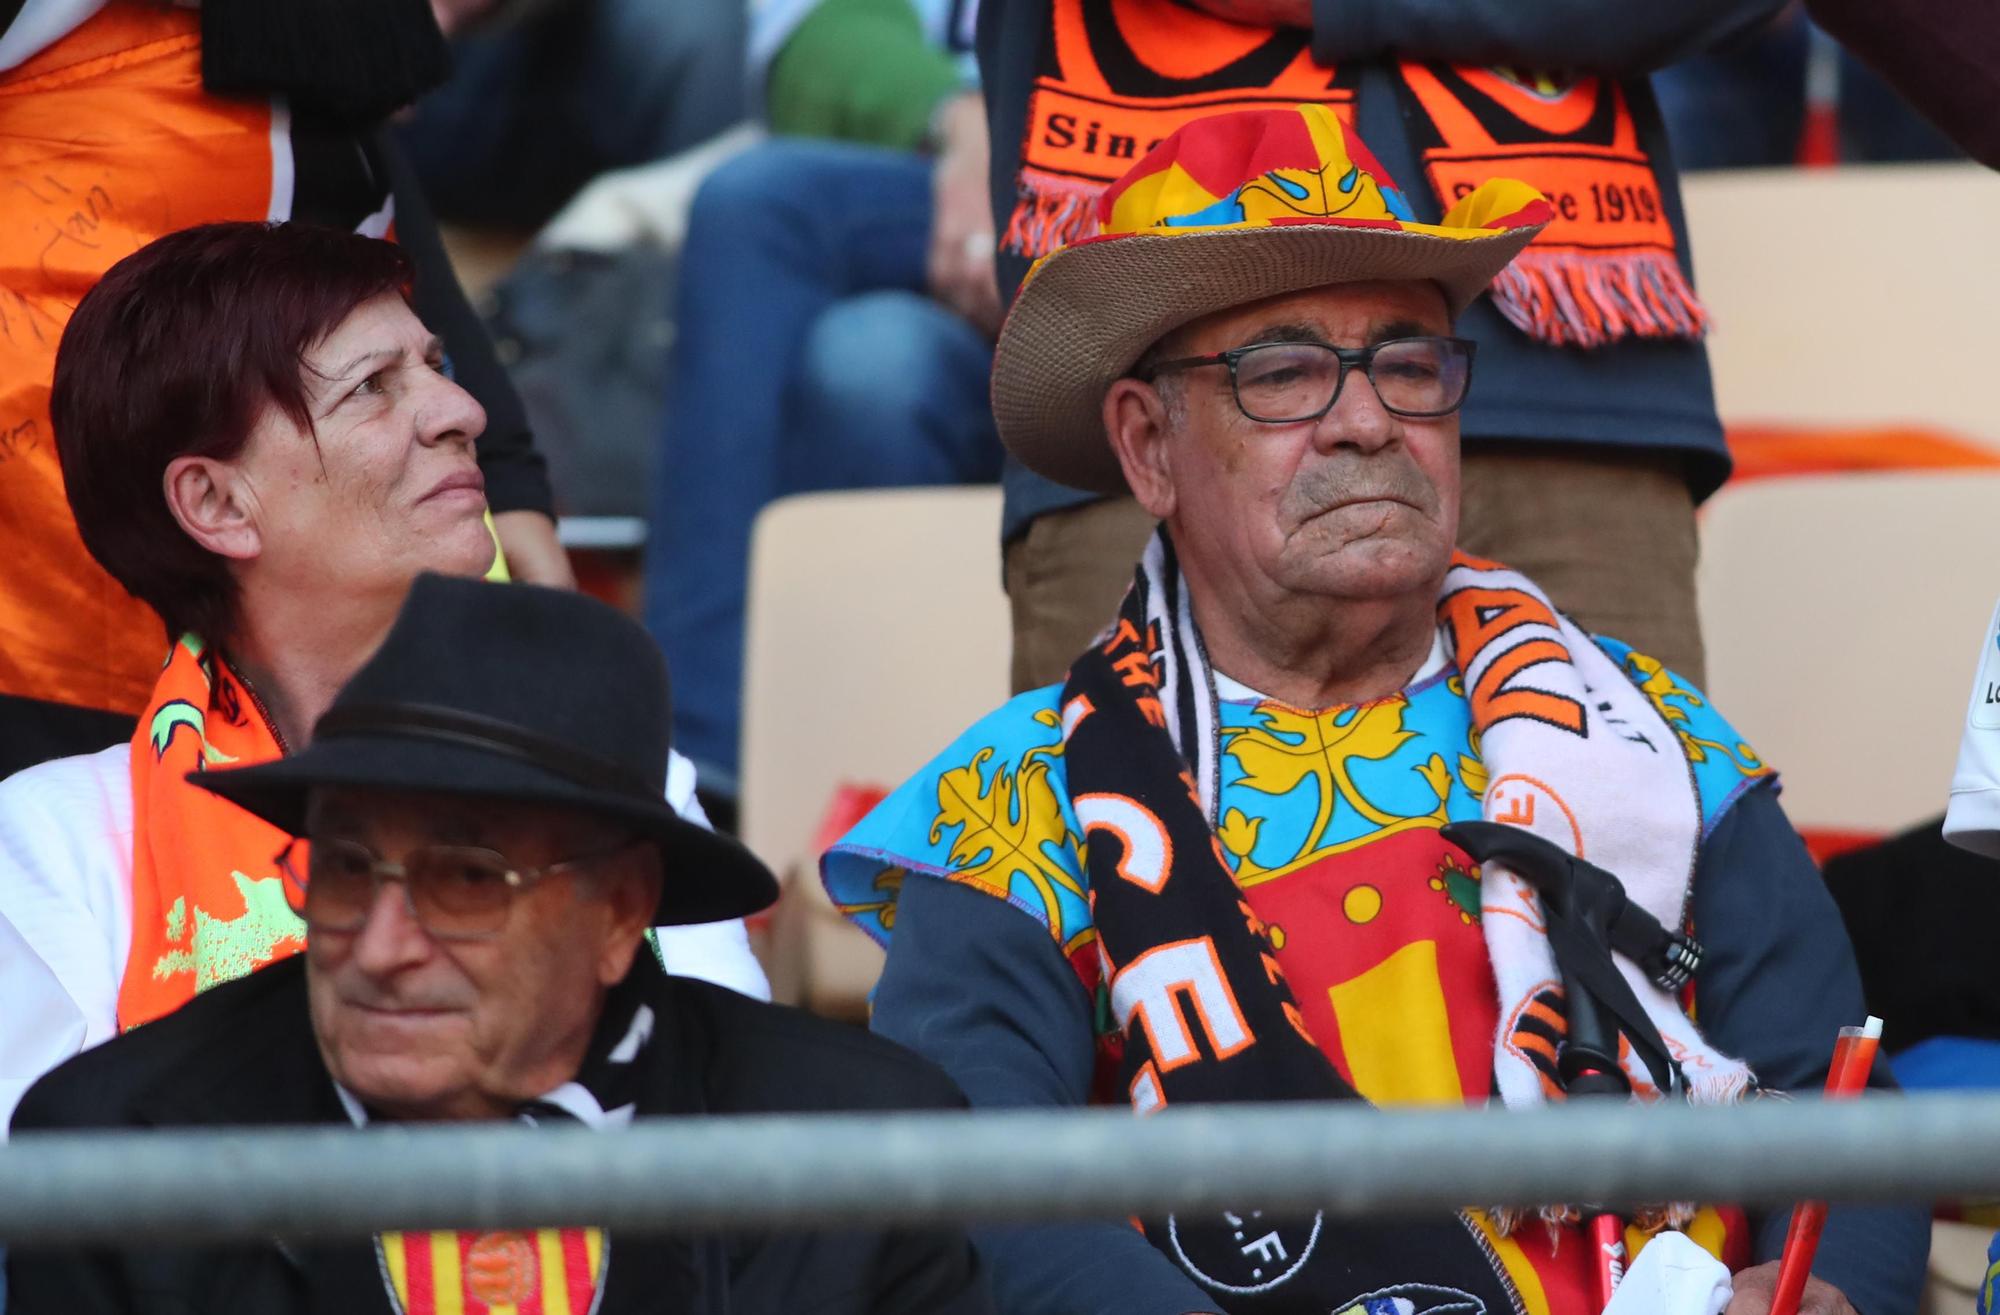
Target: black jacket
243 1054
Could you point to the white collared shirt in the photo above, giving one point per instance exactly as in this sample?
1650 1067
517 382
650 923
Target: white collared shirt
1228 689
572 1098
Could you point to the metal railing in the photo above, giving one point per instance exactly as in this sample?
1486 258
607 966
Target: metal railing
864 1170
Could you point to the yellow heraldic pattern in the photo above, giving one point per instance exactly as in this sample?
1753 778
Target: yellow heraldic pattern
1280 749
1012 834
1674 702
993 810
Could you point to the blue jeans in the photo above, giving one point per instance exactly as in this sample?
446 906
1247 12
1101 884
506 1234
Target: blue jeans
809 358
535 110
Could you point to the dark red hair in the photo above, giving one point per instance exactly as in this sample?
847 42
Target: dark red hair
176 352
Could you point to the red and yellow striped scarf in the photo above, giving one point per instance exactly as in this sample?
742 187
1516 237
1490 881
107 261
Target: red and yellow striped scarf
546 1271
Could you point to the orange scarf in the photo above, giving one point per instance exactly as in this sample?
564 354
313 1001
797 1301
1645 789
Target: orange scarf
1607 267
208 902
1116 76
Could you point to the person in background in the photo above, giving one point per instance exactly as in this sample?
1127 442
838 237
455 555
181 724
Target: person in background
488 846
1595 438
545 95
835 315
1936 53
1233 856
1972 822
126 120
260 440
1745 105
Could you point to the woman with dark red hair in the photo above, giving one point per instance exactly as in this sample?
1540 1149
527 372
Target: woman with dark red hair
261 442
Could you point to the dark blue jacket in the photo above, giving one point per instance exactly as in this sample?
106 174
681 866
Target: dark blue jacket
984 992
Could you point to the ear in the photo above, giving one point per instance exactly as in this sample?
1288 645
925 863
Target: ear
633 893
211 503
1138 426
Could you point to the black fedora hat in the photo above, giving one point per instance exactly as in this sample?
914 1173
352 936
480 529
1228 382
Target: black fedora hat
520 693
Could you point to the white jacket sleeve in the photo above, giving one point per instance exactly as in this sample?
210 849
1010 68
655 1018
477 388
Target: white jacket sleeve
40 1026
65 911
716 952
1972 821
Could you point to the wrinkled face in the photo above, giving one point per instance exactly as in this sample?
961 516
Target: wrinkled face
391 487
1358 504
421 1027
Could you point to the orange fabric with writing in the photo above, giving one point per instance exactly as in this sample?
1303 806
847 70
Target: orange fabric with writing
107 141
1607 267
1121 75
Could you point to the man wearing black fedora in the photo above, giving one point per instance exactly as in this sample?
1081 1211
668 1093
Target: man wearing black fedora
482 844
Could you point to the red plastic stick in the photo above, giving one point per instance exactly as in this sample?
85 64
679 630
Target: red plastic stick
1853 1058
1607 1239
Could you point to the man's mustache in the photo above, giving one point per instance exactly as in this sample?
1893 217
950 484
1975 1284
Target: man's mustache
1354 477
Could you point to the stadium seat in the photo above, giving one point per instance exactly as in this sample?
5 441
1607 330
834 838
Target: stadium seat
1842 612
1843 616
1821 280
877 632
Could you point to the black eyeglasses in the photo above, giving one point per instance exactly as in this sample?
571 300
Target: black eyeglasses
1279 383
455 892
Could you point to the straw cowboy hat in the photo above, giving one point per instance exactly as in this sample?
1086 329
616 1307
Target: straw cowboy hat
1229 210
518 693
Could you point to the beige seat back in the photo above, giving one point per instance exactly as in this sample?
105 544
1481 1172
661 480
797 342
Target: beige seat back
1821 280
1844 616
1843 613
878 631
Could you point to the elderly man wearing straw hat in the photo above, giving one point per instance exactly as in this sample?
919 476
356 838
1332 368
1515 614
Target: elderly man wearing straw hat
1214 865
488 846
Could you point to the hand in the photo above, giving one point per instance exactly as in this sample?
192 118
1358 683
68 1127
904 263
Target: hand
1259 13
533 555
960 263
1756 1286
453 16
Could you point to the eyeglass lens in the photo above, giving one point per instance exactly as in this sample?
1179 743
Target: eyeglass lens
1279 382
453 889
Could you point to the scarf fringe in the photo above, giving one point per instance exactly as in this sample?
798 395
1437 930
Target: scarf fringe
1571 298
1724 1089
1052 212
1670 1216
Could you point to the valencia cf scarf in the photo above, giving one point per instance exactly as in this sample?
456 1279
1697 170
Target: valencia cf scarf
1198 988
1607 266
1206 1010
1116 76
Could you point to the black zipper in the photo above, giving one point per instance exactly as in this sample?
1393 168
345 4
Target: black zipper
257 702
